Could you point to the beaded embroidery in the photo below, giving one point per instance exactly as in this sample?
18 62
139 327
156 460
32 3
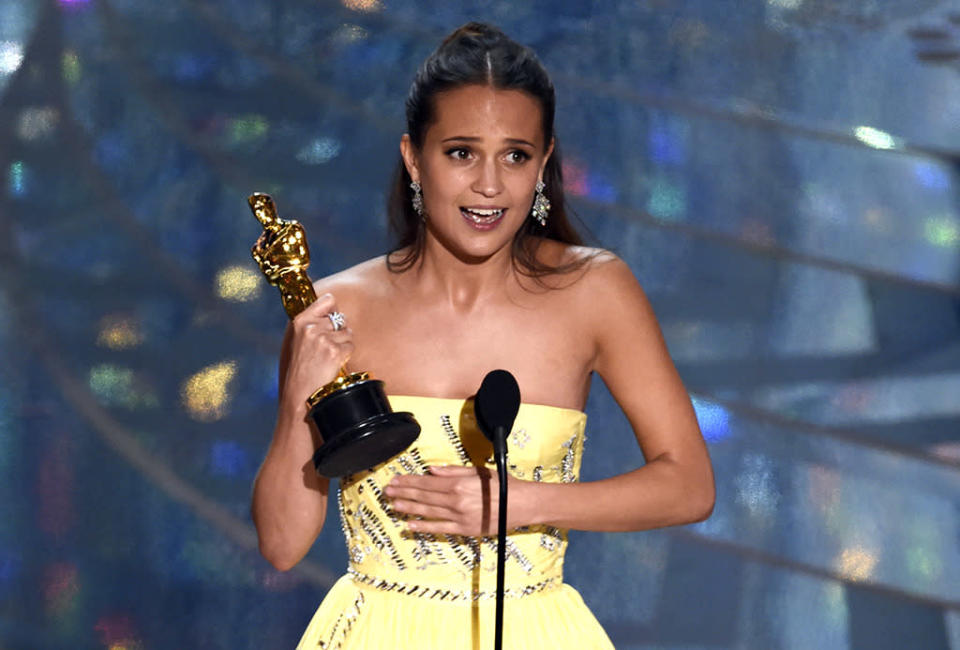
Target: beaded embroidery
566 465
347 619
438 593
454 439
378 535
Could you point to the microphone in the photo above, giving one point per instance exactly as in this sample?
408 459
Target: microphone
496 405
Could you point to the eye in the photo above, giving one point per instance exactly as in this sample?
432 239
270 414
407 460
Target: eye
458 153
518 156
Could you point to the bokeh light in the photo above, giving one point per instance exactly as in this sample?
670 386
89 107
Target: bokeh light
319 151
714 420
17 178
942 230
206 395
365 6
117 386
228 458
61 586
856 563
11 56
875 137
119 332
70 67
668 200
37 122
238 283
117 632
247 130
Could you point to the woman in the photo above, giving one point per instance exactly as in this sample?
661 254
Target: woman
487 274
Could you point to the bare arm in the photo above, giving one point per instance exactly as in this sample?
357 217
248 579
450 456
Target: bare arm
289 501
674 487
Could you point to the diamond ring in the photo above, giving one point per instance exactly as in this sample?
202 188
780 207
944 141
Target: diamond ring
337 319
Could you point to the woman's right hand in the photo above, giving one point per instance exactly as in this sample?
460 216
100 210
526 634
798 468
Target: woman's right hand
316 351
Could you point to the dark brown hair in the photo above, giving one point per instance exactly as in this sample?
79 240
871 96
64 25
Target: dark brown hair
477 53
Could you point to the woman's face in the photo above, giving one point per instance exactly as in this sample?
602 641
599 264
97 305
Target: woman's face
478 167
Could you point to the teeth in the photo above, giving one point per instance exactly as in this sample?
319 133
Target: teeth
482 216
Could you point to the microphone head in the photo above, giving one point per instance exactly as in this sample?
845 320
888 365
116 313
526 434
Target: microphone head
497 402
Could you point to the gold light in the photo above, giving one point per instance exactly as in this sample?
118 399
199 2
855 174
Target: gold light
119 333
238 283
205 395
857 563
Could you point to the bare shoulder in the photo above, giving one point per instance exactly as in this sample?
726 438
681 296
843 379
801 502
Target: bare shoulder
607 275
356 286
591 270
610 303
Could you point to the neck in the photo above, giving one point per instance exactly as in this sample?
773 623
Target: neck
462 282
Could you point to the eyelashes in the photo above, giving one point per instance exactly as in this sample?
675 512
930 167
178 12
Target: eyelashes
515 156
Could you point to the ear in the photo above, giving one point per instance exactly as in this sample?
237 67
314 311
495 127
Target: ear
409 154
543 165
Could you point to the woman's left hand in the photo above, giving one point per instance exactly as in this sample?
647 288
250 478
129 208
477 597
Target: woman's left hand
452 500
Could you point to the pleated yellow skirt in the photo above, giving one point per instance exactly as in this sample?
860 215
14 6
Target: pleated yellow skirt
356 616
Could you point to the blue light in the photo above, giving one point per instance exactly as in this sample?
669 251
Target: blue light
714 420
9 566
227 458
665 141
17 178
931 176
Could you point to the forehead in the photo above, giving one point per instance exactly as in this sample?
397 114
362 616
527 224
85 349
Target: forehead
485 112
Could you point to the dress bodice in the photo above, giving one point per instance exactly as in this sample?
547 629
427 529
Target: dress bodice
545 445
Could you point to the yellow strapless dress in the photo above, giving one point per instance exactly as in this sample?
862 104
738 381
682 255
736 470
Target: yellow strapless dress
428 591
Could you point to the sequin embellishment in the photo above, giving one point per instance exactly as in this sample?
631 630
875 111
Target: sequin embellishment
454 439
340 630
438 593
566 465
378 535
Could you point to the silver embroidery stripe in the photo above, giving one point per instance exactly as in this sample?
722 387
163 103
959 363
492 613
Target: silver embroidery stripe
538 473
512 552
374 529
348 618
344 523
551 538
427 545
454 439
382 500
418 461
437 593
468 560
407 463
566 465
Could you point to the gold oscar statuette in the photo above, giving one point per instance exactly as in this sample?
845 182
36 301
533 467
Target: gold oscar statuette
352 412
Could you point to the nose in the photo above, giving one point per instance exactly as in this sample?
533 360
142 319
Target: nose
488 181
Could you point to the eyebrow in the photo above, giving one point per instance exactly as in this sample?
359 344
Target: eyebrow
465 138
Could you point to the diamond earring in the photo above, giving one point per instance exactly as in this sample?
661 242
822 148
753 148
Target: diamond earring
541 205
417 199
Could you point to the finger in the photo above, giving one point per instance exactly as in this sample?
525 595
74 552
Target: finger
340 336
428 497
452 470
421 482
421 510
439 527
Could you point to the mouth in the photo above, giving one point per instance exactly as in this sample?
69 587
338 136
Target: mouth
483 218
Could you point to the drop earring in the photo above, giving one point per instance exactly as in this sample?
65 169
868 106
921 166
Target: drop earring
417 199
541 205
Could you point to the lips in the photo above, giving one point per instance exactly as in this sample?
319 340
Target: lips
482 217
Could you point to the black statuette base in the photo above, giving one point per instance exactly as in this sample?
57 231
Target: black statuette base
359 430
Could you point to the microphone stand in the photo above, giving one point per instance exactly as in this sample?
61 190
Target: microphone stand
500 454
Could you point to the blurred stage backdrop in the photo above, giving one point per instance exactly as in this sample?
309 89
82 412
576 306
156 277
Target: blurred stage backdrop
782 175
